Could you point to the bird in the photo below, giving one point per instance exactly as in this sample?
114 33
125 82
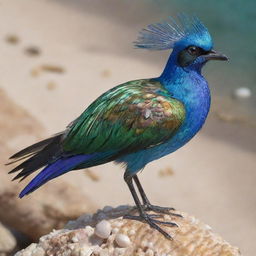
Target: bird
136 122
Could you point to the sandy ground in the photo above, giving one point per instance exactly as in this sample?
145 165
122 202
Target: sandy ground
213 177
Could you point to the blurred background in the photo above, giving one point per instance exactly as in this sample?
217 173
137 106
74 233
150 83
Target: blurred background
57 56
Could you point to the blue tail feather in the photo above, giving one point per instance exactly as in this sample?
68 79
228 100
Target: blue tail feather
53 170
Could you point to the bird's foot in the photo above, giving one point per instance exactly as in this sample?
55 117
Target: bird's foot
160 209
153 223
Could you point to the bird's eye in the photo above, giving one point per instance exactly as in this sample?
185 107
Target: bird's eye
193 50
189 54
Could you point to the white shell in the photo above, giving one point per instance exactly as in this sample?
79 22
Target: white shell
242 93
103 229
122 240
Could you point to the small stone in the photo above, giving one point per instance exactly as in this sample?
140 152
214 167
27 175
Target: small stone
51 86
122 240
35 72
168 171
12 39
242 93
52 68
32 51
103 229
106 73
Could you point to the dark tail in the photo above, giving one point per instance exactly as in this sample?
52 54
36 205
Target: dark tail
39 155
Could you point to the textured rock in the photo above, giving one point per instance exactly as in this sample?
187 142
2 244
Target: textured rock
38 214
7 241
129 237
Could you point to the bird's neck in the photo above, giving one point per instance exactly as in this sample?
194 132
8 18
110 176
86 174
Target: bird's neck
190 87
181 80
187 85
173 68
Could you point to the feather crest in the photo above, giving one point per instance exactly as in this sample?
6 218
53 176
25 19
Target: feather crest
163 36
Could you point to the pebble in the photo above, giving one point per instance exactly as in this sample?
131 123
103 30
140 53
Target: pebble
52 68
12 39
103 229
32 51
51 86
242 93
122 240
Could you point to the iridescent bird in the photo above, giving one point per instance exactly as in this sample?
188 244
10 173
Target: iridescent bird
136 122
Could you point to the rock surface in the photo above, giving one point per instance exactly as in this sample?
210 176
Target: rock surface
129 237
7 241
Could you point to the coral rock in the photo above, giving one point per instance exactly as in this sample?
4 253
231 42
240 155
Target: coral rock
129 237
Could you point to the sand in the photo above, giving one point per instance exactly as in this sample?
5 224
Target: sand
213 176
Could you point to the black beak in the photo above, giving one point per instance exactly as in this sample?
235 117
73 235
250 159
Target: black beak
213 55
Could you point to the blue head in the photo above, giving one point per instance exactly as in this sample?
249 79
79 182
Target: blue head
190 40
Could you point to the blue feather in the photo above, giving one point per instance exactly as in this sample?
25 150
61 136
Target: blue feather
163 36
54 170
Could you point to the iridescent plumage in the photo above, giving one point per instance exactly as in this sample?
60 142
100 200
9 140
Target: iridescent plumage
138 121
134 116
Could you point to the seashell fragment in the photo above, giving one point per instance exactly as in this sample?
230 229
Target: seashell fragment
122 240
103 229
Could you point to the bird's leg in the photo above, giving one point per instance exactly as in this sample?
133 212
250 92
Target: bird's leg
147 205
143 216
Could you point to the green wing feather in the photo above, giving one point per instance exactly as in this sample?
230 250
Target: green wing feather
130 117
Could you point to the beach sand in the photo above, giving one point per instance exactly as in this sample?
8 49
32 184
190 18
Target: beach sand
80 53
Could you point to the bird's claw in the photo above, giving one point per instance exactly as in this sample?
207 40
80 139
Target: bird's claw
156 208
160 209
148 218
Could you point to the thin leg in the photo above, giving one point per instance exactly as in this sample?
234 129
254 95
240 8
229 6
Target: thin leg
141 190
147 205
143 216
